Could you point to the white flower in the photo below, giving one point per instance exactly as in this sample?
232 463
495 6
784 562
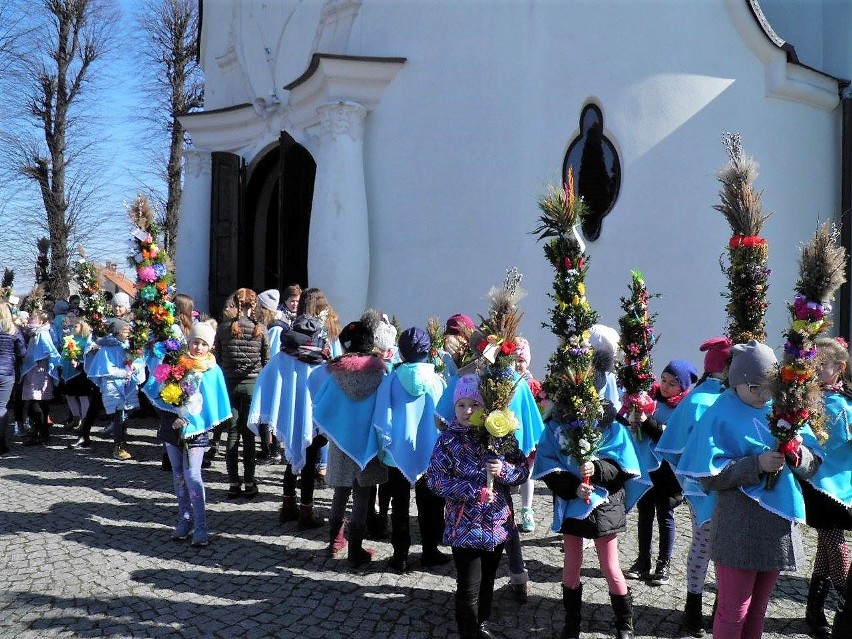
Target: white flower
585 446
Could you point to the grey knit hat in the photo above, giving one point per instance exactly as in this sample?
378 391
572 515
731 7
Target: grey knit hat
751 363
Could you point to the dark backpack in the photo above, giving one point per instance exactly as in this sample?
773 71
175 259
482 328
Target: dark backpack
306 340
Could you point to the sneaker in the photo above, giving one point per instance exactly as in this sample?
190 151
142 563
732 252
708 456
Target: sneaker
661 573
250 491
360 556
640 568
201 538
527 520
82 442
235 491
182 530
121 453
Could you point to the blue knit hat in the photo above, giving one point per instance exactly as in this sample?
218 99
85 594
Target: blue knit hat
414 345
684 371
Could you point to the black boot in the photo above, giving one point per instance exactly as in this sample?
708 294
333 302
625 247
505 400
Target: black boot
572 602
622 605
814 612
693 619
484 631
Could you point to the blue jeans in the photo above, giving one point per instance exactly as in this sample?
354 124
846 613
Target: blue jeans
7 382
189 487
119 426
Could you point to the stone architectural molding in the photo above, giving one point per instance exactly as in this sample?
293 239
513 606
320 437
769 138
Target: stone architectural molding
786 78
342 118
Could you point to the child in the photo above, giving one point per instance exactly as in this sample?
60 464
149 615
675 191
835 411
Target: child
282 400
404 420
456 332
12 349
590 511
186 437
118 377
39 374
242 346
664 493
829 493
76 386
679 427
343 410
290 306
523 356
755 529
477 519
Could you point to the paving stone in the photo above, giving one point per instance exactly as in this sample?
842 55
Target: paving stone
86 549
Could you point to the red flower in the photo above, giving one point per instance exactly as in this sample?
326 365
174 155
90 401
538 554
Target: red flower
567 262
508 347
482 345
748 241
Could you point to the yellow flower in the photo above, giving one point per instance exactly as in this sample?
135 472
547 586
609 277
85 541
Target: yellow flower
581 288
501 422
171 394
477 418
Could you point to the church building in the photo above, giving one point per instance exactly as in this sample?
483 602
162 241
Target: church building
392 152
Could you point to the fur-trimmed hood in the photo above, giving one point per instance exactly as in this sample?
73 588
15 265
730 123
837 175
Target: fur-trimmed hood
358 376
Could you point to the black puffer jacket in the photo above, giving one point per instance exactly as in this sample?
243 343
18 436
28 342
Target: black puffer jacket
12 349
606 519
241 358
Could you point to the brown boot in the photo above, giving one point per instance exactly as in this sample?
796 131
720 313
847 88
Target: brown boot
307 521
289 511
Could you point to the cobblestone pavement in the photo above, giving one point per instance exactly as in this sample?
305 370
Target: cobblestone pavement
85 550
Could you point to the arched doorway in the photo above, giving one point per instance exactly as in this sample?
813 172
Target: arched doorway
276 217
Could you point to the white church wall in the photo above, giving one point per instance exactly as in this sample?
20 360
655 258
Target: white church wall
477 122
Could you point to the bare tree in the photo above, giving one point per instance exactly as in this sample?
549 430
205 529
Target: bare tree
58 61
174 84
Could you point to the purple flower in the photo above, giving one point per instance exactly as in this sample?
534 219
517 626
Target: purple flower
160 269
172 344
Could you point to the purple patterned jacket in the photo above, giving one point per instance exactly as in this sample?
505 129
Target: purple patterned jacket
457 472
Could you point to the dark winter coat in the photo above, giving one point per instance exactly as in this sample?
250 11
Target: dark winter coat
607 519
12 350
242 357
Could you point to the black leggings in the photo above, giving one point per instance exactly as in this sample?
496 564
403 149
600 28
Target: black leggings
476 570
308 472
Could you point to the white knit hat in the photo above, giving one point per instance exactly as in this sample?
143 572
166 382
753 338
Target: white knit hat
269 299
604 339
121 299
203 331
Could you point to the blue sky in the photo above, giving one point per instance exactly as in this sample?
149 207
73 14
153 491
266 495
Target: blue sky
123 145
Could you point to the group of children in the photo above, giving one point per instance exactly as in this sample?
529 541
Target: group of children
287 371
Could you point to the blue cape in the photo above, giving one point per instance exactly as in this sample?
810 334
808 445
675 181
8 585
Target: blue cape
405 417
649 460
834 477
213 409
617 446
684 417
346 422
731 429
67 371
41 347
281 399
522 405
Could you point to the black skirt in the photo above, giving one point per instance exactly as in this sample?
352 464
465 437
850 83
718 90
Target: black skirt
824 513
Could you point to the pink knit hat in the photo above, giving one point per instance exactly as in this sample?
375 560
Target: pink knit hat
718 352
523 349
459 324
468 388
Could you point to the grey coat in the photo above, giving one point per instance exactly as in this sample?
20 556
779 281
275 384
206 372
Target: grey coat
343 472
745 535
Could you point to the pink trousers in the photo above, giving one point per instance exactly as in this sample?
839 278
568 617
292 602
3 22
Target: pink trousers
743 596
607 549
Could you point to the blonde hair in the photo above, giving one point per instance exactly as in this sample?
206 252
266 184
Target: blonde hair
7 324
313 302
831 350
